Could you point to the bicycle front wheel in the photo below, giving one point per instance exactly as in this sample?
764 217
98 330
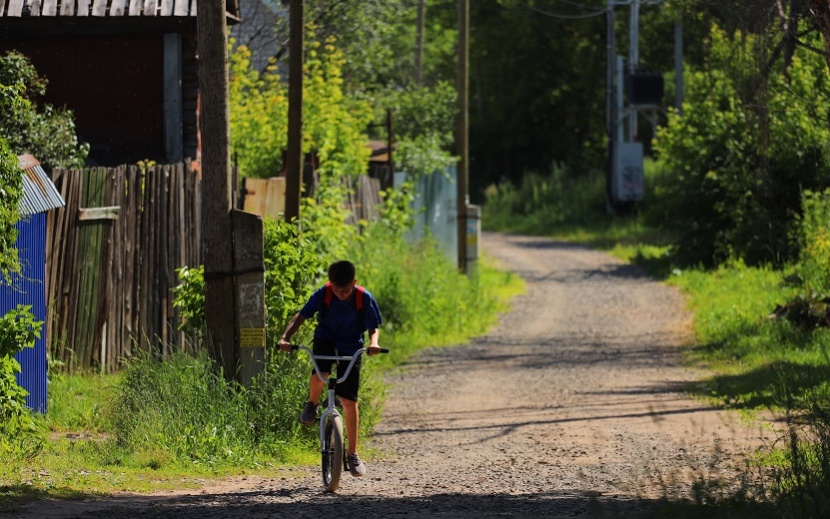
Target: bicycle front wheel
333 453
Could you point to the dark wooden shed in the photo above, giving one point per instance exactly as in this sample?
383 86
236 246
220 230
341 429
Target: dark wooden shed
127 68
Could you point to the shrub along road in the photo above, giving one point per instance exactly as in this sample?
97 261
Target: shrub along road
573 406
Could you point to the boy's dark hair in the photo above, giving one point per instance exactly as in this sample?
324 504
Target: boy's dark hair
341 272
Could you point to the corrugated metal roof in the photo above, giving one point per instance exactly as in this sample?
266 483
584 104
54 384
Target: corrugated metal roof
65 8
39 193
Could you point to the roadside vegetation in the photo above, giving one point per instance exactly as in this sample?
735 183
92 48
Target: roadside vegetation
737 215
174 421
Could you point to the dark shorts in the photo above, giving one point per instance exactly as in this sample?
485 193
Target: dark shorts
347 389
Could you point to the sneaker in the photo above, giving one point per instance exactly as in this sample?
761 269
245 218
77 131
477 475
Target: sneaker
309 414
356 467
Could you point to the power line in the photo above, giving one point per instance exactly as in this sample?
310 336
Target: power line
581 5
600 12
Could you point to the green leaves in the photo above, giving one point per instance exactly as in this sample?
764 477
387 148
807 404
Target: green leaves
18 330
747 144
333 123
11 190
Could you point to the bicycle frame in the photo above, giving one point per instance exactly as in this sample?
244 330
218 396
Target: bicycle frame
333 450
331 381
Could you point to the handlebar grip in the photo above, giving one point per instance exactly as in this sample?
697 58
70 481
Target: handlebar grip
295 346
384 350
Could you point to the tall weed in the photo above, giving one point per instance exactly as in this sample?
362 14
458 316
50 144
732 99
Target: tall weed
181 405
542 202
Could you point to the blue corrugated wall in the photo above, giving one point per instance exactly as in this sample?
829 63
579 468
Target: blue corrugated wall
31 245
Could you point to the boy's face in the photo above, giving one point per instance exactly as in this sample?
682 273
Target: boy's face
343 291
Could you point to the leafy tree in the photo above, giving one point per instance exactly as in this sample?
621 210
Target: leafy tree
748 143
537 90
423 120
46 132
333 123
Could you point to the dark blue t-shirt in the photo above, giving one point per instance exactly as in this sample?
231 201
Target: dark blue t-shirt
341 324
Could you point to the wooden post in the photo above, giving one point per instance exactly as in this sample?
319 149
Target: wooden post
294 159
216 174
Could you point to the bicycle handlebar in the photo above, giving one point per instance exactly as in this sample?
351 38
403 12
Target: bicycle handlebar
351 358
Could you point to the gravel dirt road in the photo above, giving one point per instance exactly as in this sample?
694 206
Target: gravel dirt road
574 406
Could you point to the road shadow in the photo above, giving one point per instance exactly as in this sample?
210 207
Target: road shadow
311 503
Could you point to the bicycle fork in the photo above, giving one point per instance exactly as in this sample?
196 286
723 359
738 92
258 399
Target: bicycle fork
330 409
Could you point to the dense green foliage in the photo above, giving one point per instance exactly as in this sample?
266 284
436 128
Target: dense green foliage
11 190
44 131
333 123
742 152
423 119
18 330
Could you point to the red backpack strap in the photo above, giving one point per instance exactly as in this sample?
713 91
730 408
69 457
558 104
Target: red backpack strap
358 297
327 296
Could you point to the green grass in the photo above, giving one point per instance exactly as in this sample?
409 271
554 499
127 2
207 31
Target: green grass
755 358
173 423
78 402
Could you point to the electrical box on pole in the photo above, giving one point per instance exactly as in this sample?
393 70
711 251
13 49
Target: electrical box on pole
644 89
628 172
630 90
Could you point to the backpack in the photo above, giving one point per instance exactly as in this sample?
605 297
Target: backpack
358 303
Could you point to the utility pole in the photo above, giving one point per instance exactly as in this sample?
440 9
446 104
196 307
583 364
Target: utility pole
462 132
216 182
232 240
678 63
419 42
294 158
610 104
633 64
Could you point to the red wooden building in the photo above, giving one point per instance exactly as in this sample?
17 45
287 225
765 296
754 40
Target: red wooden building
127 68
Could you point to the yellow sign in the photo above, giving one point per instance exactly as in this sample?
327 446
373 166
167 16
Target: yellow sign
252 337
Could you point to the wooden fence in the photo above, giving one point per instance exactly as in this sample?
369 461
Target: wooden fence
266 197
112 253
113 250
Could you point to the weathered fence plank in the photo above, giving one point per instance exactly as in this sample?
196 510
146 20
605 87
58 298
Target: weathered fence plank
110 280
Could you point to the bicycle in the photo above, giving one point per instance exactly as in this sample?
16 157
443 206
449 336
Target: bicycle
332 441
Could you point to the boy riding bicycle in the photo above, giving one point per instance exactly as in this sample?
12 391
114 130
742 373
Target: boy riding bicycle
344 312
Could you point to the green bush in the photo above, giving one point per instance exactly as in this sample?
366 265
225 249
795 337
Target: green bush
814 241
18 330
333 123
11 189
181 405
737 158
801 479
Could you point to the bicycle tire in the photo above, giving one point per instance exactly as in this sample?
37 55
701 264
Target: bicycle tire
332 459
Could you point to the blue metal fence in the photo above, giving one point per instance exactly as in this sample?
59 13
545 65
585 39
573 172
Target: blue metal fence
39 197
30 290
